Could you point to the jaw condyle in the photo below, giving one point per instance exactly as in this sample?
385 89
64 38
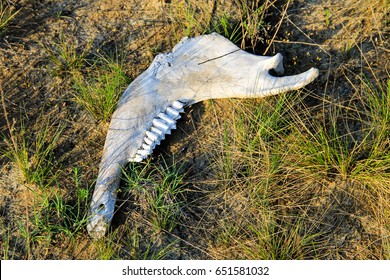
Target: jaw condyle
197 69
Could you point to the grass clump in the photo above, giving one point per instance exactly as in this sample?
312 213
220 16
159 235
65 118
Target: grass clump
352 139
252 22
284 241
161 189
254 153
64 55
33 156
246 26
98 81
54 216
280 157
99 90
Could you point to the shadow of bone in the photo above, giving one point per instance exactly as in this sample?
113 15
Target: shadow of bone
176 146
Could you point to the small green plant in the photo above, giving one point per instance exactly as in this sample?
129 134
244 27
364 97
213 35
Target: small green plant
228 234
7 13
5 245
225 26
106 248
325 151
65 56
54 217
271 241
252 24
194 19
165 201
374 149
33 154
327 17
190 18
63 216
98 91
192 25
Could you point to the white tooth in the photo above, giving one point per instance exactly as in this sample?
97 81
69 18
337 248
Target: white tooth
136 158
156 131
160 125
177 105
146 147
148 141
151 135
161 135
173 113
166 118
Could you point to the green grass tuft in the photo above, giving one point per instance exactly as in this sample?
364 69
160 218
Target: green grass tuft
33 154
99 90
65 56
162 189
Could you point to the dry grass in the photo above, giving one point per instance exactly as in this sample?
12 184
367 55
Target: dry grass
303 175
360 20
7 13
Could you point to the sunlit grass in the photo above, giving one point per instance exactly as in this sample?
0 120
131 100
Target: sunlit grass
54 217
163 191
191 18
65 56
279 149
32 154
99 90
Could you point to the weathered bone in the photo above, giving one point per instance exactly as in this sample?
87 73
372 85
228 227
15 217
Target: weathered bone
201 68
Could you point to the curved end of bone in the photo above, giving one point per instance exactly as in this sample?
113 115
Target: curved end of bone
298 81
97 226
101 213
277 85
267 85
103 201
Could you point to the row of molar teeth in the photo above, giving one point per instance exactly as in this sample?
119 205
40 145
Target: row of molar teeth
161 125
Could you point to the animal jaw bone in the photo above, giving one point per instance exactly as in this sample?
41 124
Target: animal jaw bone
205 67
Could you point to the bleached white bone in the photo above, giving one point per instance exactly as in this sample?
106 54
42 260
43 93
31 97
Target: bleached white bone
201 68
